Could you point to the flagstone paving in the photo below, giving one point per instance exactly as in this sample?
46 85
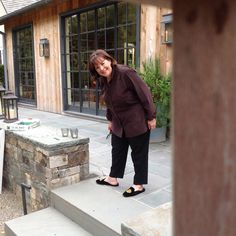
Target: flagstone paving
159 189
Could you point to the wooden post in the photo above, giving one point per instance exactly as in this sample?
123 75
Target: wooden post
204 118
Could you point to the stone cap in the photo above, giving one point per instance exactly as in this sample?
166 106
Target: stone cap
48 137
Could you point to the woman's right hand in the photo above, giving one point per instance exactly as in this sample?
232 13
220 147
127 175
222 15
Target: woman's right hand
110 126
152 124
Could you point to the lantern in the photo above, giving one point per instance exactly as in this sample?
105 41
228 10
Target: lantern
2 91
167 29
44 48
10 103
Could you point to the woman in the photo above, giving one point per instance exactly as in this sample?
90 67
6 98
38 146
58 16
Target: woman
130 114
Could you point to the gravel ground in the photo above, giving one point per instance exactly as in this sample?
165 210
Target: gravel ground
10 208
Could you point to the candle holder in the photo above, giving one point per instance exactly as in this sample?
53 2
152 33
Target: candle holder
74 132
64 132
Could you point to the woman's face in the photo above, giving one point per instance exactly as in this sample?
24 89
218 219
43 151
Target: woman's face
103 67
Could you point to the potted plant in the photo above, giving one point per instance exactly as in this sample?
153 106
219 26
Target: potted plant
160 87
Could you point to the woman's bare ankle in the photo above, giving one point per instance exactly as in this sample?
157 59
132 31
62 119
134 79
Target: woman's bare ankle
138 186
111 180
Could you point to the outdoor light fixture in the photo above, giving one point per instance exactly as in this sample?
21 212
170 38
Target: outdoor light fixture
167 29
2 92
10 104
44 48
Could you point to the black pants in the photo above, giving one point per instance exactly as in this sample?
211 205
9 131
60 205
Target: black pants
139 153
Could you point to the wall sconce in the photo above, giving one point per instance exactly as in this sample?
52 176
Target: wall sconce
2 92
44 48
167 29
10 103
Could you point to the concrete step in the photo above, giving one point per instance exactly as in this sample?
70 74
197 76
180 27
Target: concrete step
157 221
100 210
46 222
84 209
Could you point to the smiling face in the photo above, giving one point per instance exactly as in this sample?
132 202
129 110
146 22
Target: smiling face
103 67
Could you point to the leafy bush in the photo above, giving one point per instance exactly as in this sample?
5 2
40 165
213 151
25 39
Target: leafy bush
160 87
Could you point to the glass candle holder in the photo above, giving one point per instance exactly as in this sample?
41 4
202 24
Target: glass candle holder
64 132
74 132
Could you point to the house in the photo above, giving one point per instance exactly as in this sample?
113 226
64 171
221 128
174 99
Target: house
48 43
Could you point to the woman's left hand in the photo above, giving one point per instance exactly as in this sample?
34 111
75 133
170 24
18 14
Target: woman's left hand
152 124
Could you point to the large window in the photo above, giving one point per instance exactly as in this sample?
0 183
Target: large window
113 27
24 64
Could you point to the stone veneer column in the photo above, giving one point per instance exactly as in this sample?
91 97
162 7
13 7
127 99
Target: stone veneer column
204 118
44 163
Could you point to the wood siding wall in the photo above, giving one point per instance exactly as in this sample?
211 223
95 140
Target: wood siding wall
46 24
45 21
150 45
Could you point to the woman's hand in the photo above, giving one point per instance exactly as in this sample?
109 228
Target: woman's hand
152 124
110 126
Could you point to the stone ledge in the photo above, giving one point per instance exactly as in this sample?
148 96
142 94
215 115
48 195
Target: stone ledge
46 137
156 222
45 160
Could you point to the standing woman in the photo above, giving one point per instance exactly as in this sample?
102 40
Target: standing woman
131 115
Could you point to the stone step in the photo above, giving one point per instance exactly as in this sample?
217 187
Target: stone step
157 221
46 222
100 210
86 207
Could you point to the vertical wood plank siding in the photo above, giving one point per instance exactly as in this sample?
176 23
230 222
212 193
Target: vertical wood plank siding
150 37
46 24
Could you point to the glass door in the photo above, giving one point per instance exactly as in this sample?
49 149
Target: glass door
113 27
24 64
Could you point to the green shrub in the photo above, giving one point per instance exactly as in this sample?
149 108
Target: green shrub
160 87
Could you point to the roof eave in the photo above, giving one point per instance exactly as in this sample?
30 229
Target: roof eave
159 3
23 10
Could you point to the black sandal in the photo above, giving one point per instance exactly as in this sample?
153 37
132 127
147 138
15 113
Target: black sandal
132 192
103 182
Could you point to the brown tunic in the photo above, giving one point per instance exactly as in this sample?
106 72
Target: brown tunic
129 102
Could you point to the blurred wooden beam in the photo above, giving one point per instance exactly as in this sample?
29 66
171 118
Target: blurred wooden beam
159 3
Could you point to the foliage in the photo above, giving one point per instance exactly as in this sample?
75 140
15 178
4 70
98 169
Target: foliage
160 87
1 74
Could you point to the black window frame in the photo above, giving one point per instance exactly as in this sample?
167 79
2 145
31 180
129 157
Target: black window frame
16 65
78 12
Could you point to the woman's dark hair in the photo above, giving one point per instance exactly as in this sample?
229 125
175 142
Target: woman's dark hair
94 57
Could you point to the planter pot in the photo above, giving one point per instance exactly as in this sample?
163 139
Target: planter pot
158 135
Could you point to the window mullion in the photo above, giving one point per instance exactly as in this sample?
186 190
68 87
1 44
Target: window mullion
115 30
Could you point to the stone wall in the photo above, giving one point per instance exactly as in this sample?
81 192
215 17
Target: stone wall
43 166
